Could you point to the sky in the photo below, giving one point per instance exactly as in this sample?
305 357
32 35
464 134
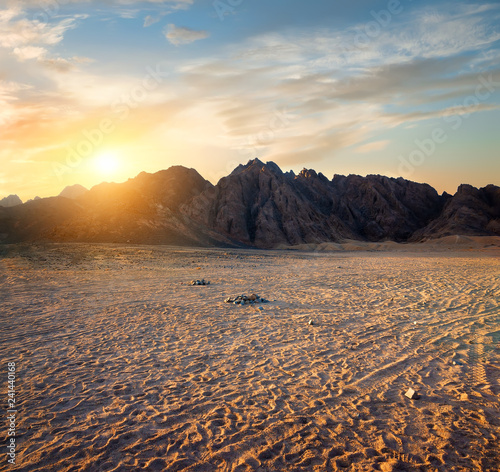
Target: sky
94 91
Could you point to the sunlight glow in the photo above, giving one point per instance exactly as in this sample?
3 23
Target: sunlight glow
107 162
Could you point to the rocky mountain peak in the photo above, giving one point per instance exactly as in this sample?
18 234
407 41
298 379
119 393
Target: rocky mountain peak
10 201
308 173
256 165
73 191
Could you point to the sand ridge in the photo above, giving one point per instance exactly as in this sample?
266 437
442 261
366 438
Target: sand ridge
123 365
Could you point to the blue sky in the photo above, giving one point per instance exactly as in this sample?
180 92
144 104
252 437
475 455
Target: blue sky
94 91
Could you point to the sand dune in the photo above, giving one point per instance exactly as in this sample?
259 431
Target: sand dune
448 243
123 366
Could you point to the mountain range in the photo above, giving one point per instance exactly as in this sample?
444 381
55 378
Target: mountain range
257 205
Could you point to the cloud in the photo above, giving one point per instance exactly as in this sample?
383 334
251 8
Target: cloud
128 14
30 40
10 13
441 31
151 20
313 147
343 95
58 64
10 93
370 147
25 32
29 52
178 35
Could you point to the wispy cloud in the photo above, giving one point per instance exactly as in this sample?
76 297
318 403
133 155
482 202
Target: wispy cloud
60 64
17 31
370 147
151 20
407 73
178 35
29 52
128 14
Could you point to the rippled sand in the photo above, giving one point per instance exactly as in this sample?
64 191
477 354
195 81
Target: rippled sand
122 365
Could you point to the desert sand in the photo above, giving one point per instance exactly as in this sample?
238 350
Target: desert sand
124 366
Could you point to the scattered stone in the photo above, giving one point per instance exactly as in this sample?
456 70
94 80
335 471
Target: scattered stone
311 322
456 359
246 299
412 395
200 282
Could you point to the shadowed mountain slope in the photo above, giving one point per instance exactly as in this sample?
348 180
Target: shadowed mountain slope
257 205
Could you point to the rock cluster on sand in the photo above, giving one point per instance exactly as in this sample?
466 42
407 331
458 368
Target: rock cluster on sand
200 282
245 299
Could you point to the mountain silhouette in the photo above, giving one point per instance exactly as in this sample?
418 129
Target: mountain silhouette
10 201
257 205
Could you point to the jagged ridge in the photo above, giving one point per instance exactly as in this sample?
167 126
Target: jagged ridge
257 205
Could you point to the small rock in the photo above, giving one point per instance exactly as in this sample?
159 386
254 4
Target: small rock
412 395
200 282
244 299
311 322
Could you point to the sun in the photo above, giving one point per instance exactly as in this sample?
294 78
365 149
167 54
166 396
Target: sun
107 162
